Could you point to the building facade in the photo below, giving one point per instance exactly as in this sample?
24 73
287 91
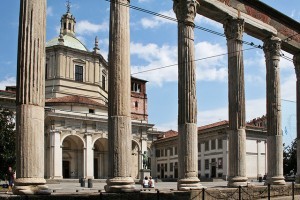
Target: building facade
212 152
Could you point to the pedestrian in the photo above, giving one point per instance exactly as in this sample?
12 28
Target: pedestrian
10 176
146 182
151 182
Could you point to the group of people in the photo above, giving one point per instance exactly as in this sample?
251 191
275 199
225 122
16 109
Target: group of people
148 182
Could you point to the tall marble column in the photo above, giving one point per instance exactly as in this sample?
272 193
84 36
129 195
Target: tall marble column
89 157
119 118
297 69
185 11
234 29
272 48
30 100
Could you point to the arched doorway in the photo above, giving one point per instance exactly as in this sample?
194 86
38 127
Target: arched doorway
72 159
101 159
135 160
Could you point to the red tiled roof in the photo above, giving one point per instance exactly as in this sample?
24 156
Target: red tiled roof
220 123
170 133
74 99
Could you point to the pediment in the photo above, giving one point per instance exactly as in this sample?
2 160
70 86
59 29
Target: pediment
79 61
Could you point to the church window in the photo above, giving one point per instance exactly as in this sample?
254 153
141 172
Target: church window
103 82
206 144
157 153
69 26
213 144
220 163
136 104
171 167
220 143
78 73
65 25
135 87
91 111
206 164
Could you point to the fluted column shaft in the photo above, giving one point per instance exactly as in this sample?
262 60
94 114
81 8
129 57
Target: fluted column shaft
297 69
272 47
234 29
30 98
187 101
119 119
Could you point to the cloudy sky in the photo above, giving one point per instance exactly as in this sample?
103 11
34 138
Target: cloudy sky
154 45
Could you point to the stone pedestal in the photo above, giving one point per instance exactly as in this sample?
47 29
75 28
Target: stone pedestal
30 100
144 173
297 69
119 109
234 29
187 100
272 47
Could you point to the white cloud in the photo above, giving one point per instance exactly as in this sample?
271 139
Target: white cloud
156 21
50 11
254 108
86 27
9 81
164 56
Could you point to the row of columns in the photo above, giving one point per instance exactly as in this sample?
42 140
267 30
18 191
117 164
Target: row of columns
30 100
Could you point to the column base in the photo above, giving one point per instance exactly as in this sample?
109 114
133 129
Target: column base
189 184
275 180
28 186
120 184
237 181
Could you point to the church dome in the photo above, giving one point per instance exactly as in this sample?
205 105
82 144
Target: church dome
69 41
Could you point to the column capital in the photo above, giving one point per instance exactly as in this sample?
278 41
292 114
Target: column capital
234 28
185 11
296 60
272 47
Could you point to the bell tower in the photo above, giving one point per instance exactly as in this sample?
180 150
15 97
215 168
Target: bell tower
68 22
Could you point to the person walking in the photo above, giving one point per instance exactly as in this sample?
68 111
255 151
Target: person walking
10 176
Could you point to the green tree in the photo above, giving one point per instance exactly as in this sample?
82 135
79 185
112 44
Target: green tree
290 157
7 141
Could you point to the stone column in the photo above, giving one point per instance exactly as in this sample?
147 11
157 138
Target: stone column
89 157
30 100
185 11
272 48
55 155
119 112
258 142
234 29
297 69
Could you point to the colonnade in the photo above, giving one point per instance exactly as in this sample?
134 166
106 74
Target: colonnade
30 100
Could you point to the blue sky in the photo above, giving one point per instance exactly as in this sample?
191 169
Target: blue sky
153 45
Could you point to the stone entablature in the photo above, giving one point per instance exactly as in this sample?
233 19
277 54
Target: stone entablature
261 20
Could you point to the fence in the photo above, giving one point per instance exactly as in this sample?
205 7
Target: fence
249 192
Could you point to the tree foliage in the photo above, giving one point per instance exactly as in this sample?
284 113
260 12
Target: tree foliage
7 141
290 157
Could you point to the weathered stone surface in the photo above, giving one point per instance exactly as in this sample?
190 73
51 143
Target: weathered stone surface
272 47
234 29
30 98
185 11
119 122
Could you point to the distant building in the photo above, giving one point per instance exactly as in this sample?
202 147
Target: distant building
212 152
